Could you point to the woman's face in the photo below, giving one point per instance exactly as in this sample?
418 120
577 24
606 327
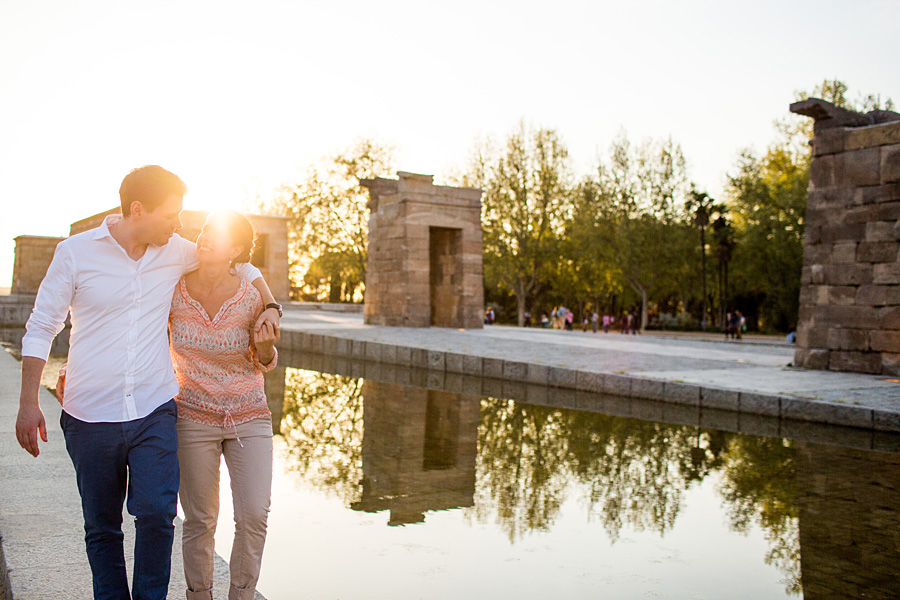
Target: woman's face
214 244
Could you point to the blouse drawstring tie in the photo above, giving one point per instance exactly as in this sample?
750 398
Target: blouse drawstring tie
233 426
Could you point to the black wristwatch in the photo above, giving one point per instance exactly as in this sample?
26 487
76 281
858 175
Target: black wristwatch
277 307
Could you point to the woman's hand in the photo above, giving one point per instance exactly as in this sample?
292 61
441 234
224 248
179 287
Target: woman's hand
264 339
61 384
269 317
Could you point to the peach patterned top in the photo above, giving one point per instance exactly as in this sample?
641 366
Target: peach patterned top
219 376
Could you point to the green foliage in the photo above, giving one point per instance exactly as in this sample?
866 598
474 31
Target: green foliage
768 200
526 201
329 218
630 216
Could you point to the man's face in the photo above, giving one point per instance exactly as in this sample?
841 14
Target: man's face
159 225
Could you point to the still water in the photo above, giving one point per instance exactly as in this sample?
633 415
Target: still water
397 490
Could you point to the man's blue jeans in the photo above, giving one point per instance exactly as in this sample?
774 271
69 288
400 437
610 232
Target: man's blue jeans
139 458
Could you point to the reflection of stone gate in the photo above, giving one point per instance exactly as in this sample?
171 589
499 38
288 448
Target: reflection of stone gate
419 450
424 265
849 522
850 296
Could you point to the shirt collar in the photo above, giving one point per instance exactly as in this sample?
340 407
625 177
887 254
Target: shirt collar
103 231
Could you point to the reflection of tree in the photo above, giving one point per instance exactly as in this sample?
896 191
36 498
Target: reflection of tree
520 470
323 428
759 486
640 469
635 471
631 473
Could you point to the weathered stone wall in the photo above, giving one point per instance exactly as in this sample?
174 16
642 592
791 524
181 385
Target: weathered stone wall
415 227
850 297
32 258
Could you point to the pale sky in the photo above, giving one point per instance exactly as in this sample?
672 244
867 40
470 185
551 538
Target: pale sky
235 97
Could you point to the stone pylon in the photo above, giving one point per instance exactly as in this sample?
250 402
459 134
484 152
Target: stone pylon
850 289
425 254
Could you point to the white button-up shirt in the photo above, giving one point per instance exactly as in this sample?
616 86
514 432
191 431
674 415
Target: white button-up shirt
119 366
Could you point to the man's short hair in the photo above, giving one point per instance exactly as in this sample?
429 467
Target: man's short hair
150 185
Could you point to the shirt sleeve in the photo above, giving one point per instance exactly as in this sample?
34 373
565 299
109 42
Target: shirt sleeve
188 253
254 356
248 272
52 304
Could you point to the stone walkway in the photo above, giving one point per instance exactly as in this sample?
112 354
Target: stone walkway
40 511
747 377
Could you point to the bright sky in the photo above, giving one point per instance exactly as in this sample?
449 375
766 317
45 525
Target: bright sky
236 97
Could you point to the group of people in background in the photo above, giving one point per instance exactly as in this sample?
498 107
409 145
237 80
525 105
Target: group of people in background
627 323
563 318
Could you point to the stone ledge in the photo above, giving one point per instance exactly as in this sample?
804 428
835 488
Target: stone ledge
537 381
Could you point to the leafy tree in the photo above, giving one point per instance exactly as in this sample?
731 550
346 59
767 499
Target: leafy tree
329 218
527 198
631 213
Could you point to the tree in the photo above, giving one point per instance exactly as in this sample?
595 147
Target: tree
632 214
329 221
527 198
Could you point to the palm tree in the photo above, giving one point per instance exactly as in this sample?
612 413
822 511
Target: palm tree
701 206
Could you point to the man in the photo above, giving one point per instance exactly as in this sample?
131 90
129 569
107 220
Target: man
119 414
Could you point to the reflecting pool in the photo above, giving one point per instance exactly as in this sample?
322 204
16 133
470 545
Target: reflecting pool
398 484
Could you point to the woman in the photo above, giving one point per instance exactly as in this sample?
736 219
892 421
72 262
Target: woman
219 362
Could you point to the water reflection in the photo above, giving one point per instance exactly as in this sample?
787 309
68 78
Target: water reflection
831 514
418 451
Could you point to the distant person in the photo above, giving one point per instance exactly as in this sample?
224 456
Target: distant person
570 319
729 326
734 326
595 320
792 337
741 324
527 319
584 324
545 320
119 412
607 320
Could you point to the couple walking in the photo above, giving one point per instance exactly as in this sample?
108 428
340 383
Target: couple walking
135 427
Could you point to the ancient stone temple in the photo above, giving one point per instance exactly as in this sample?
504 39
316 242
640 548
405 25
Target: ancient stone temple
424 266
850 296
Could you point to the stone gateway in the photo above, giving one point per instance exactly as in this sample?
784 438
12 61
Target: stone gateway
850 289
425 254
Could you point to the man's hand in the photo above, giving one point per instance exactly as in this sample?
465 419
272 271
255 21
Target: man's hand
29 423
270 316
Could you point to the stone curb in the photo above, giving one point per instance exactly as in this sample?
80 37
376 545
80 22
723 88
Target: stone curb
644 388
541 394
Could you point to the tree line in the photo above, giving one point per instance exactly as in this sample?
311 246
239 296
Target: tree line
633 234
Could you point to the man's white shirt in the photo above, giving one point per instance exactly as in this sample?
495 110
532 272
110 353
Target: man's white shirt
119 365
